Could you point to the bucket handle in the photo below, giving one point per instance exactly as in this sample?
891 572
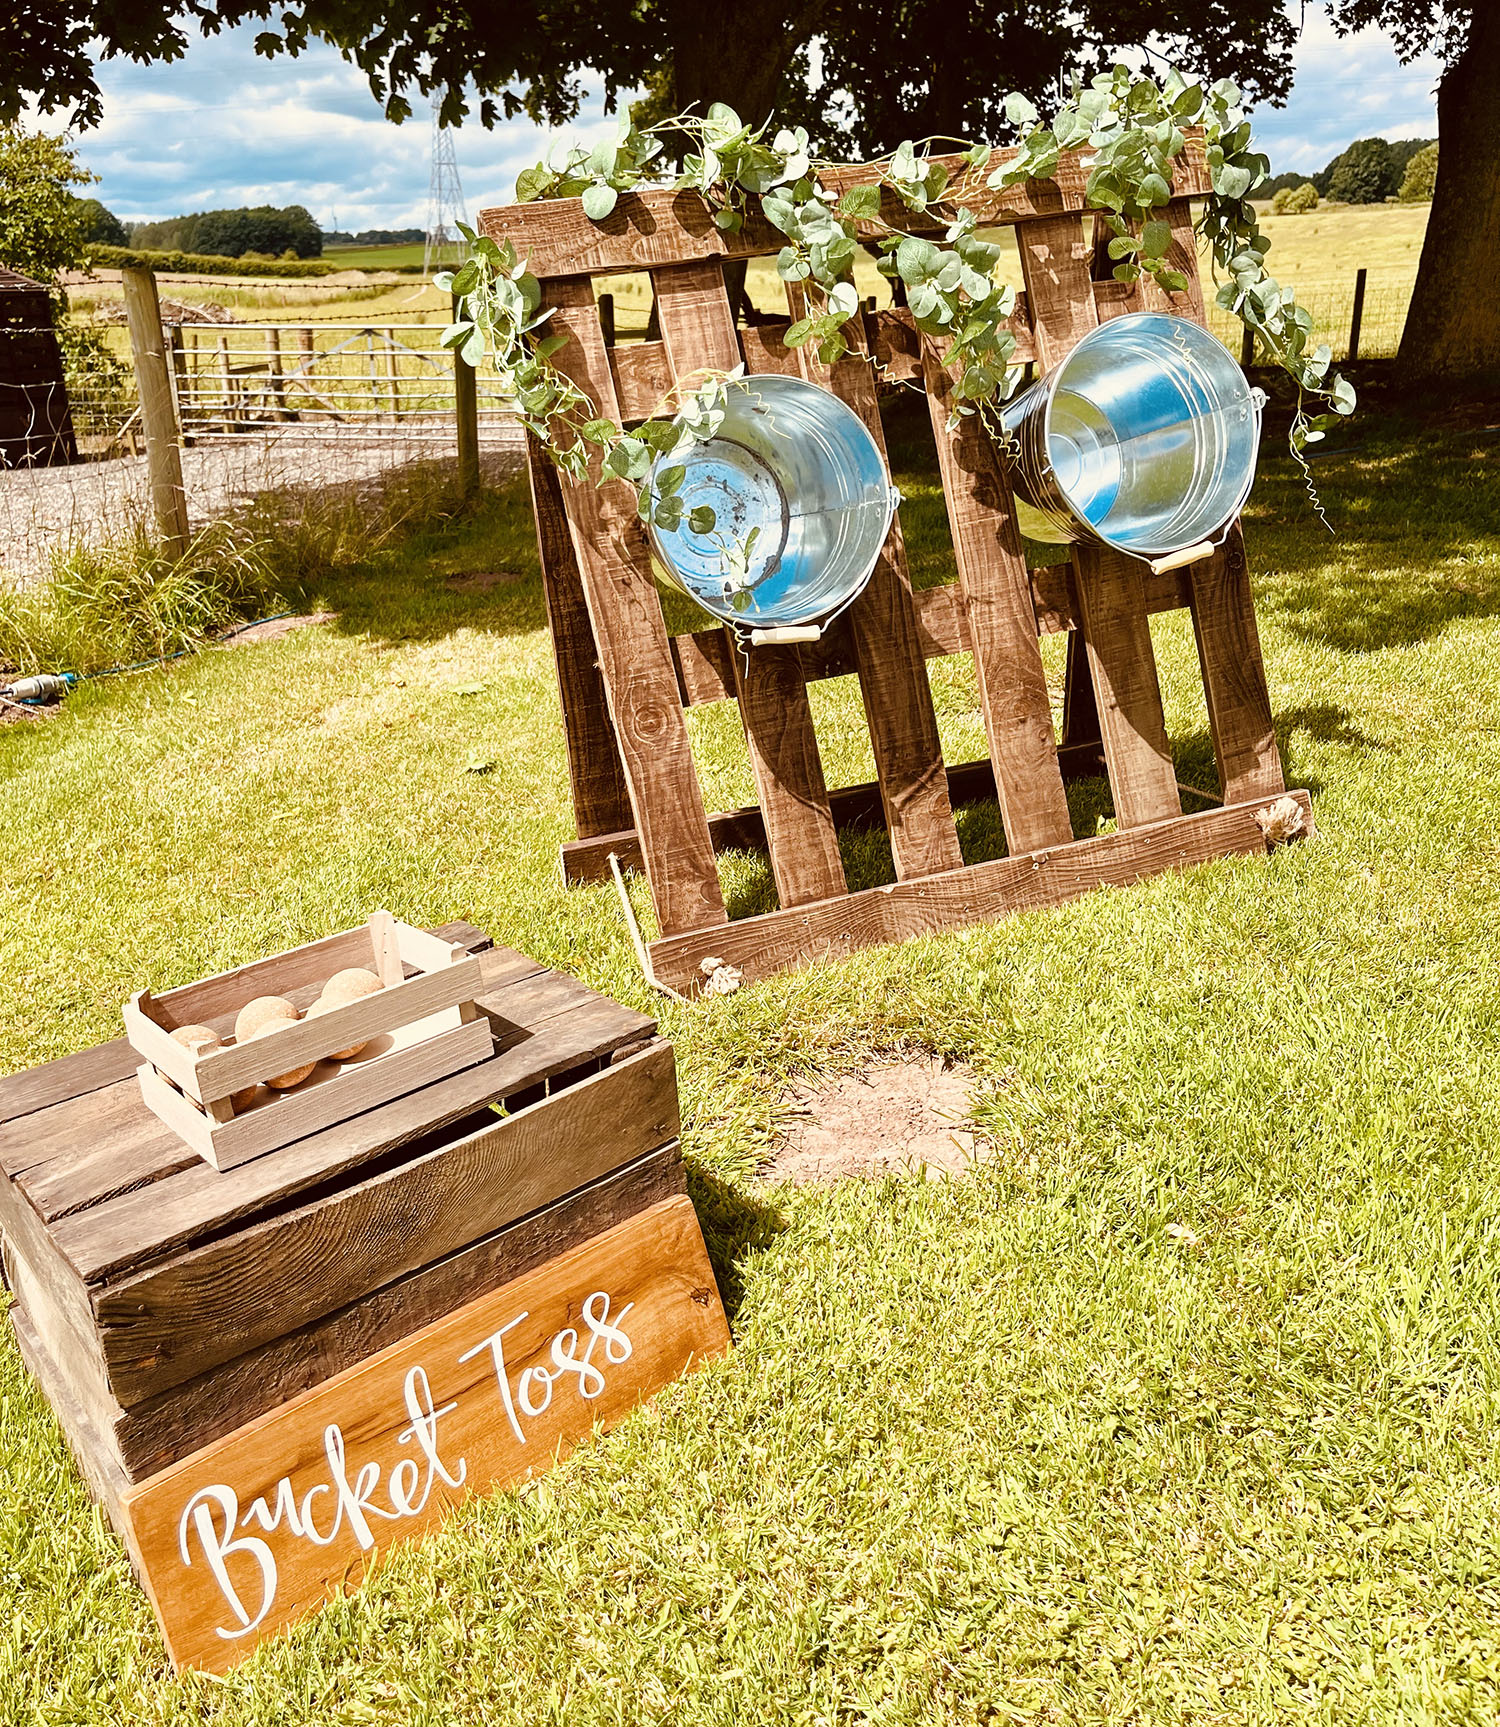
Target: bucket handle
785 633
1206 548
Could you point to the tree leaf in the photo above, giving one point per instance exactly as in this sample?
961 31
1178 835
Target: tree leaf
598 201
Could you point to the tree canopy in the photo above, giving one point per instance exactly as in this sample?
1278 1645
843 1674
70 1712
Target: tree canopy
41 227
864 73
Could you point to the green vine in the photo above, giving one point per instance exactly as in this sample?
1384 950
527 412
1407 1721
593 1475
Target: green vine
1132 128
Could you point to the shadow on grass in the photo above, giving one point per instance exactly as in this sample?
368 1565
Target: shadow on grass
736 1226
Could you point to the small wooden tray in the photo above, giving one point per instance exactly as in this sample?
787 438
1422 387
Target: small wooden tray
415 1030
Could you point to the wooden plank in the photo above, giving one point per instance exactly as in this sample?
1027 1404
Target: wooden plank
211 1303
1082 736
698 332
600 800
702 657
1055 260
980 893
892 670
639 676
896 342
1117 632
106 1481
1001 621
1234 674
643 381
765 349
855 807
163 1429
507 1385
70 1076
649 229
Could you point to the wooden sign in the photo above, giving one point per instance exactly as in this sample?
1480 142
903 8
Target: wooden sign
256 1530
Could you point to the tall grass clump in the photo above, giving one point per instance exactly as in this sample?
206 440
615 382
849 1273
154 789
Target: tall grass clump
127 600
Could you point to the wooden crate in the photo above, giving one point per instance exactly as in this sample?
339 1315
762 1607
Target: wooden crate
163 1304
624 682
419 1027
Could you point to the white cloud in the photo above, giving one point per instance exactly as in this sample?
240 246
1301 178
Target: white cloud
223 127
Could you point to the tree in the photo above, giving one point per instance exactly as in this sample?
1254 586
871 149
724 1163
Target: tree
1364 174
1420 177
1452 338
884 71
1295 200
41 230
100 227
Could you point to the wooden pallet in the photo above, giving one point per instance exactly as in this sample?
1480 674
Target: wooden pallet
625 683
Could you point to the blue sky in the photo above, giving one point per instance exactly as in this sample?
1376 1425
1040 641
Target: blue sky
223 127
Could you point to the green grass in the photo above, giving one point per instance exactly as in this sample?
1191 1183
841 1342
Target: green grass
407 257
1182 1408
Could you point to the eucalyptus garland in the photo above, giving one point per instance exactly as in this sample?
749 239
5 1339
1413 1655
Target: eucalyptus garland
1132 127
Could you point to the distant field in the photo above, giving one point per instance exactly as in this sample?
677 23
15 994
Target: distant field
1317 254
376 257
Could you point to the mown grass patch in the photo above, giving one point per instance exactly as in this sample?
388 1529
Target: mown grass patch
1182 1408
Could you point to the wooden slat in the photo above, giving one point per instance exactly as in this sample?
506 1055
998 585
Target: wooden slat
600 799
649 229
643 380
760 946
1117 632
702 658
1081 734
765 349
1055 259
698 332
892 670
639 677
586 861
205 1306
1001 622
1234 674
164 1428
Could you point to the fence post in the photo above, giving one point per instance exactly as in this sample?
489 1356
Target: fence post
607 318
1356 317
1247 349
158 416
277 376
466 404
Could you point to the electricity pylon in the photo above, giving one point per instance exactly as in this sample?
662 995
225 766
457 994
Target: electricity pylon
445 199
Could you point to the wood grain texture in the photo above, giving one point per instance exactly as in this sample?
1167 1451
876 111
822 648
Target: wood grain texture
643 381
648 1278
760 946
211 1303
892 669
649 229
600 799
1234 674
639 677
698 332
1001 621
160 1430
1117 633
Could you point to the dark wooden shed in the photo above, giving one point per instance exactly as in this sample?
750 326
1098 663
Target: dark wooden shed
36 426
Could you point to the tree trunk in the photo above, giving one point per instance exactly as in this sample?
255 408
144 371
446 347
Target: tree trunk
739 55
1452 338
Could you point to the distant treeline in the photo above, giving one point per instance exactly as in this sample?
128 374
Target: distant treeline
200 264
232 233
376 237
1368 172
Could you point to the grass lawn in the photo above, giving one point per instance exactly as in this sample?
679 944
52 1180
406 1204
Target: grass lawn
1184 1406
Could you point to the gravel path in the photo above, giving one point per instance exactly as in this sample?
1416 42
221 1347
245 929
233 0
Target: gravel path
44 509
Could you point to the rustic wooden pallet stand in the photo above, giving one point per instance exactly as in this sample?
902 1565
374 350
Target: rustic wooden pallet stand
624 683
194 1328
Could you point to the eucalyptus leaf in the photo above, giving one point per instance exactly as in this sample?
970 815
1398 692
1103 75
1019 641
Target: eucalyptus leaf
598 201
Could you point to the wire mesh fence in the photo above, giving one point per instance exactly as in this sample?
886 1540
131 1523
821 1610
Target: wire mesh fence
262 407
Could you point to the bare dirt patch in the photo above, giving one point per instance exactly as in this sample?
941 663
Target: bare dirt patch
272 629
903 1116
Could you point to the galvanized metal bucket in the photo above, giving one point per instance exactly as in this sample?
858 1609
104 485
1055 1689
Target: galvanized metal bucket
798 468
1144 438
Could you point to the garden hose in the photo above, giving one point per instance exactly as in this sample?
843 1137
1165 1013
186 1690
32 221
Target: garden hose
45 687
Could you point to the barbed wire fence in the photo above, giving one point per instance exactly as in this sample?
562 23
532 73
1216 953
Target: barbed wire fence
262 407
